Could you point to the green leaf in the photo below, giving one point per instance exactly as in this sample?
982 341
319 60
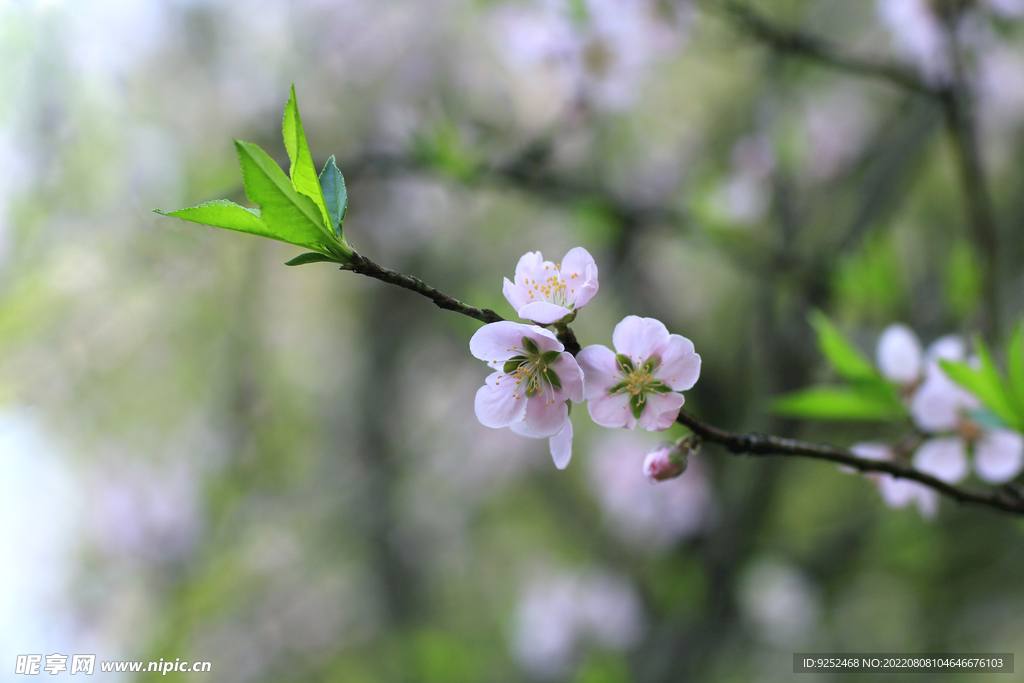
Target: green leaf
983 382
1015 369
836 403
302 172
335 194
311 257
291 217
845 358
221 213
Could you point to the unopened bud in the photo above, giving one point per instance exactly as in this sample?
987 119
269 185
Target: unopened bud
668 460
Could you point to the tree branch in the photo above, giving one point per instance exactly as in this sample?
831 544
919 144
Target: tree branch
1008 498
364 266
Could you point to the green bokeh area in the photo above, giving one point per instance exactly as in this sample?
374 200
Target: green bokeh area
208 456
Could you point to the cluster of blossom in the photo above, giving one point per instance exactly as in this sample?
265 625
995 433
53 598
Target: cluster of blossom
951 418
535 379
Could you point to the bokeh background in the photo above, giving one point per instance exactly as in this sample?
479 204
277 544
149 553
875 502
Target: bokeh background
206 455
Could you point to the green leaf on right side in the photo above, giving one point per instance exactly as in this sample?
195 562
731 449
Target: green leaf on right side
302 172
846 359
335 195
311 257
836 403
293 217
983 382
1015 368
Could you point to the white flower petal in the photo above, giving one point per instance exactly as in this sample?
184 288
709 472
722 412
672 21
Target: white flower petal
899 354
640 338
938 403
660 412
546 414
495 404
561 445
949 347
612 411
680 366
514 295
943 458
570 375
503 340
999 455
899 493
588 290
520 427
529 270
580 275
600 371
870 451
543 312
575 263
896 493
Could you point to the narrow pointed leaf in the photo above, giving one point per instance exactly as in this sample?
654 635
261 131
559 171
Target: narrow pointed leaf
222 213
291 217
1015 369
835 403
302 172
984 383
310 257
335 194
846 359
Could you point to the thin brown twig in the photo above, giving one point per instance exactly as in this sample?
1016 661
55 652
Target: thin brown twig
1006 498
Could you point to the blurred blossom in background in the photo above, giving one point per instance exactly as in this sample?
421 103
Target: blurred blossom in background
208 456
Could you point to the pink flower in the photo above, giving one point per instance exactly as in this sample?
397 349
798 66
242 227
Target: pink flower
640 381
530 392
666 461
546 292
897 493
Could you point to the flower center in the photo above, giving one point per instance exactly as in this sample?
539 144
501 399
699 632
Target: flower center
554 289
532 371
638 381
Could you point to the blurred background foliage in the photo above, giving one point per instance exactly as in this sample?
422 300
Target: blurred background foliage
210 456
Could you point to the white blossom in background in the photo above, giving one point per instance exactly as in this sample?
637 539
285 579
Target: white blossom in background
534 382
1010 9
918 36
779 602
561 613
744 196
598 50
897 493
644 516
144 510
903 361
838 124
1001 87
945 410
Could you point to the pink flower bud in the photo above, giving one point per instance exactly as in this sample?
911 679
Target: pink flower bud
666 461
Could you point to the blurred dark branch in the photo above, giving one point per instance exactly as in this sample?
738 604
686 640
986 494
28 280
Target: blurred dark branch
364 266
1008 498
958 105
954 98
789 41
527 172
